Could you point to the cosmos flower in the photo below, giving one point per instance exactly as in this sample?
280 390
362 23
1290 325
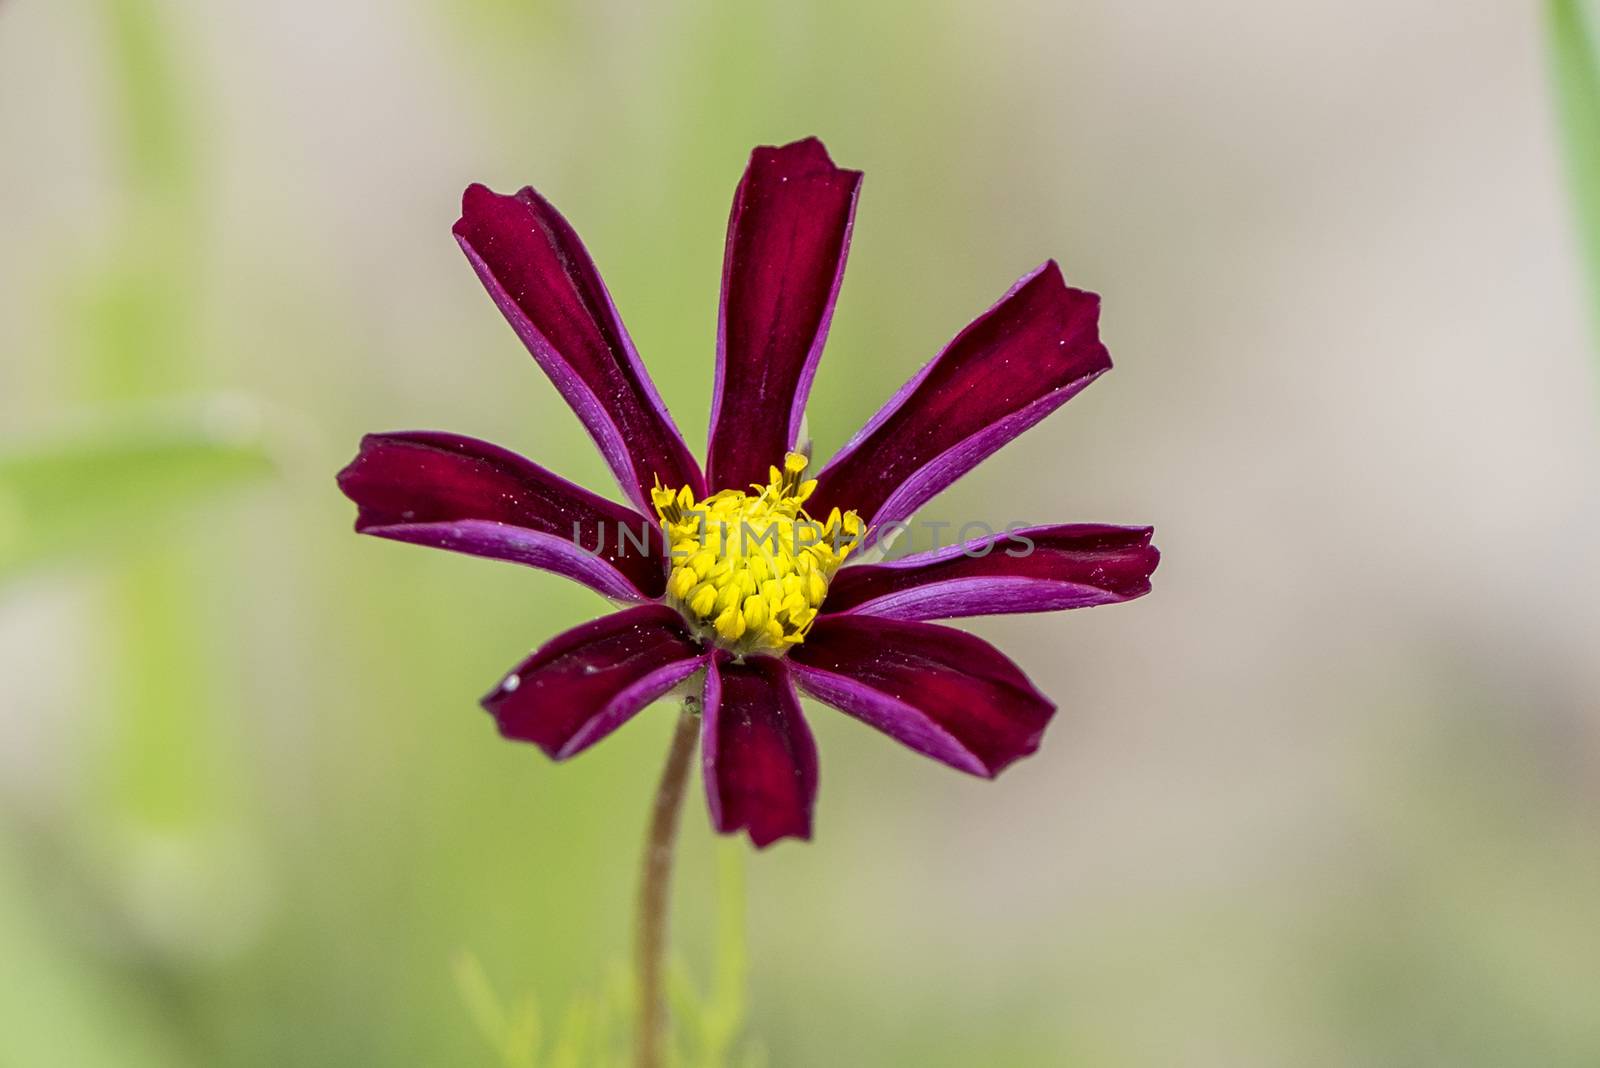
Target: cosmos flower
750 575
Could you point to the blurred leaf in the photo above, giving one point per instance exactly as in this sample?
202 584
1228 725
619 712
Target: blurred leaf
688 1014
707 1029
102 486
594 1032
514 1035
60 1008
151 109
727 1005
523 1031
578 1034
1577 80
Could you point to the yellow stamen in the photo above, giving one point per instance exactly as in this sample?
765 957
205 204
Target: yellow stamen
751 570
703 600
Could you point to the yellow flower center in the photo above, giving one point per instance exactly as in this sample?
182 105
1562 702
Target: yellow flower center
750 570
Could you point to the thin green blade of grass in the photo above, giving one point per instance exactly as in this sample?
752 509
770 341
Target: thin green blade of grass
1575 65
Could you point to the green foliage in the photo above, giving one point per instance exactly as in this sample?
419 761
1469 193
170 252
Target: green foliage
513 1032
594 1031
1576 65
119 478
59 1008
156 142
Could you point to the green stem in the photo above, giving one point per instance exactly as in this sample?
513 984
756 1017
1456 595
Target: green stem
655 883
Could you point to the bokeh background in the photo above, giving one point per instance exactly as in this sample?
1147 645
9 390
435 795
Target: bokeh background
1328 796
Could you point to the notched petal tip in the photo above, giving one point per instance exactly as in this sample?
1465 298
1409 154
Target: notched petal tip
1018 570
474 198
805 156
1140 563
581 685
1023 358
759 758
493 703
942 692
453 492
765 840
788 239
1078 314
477 203
538 273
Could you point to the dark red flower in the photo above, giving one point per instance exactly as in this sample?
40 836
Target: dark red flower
747 588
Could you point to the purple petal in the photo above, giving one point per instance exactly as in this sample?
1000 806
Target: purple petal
944 693
760 761
543 280
788 236
584 684
457 493
1038 569
1015 364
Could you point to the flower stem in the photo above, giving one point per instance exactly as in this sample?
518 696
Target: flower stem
654 886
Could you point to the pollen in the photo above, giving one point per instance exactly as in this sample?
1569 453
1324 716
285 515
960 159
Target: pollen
750 570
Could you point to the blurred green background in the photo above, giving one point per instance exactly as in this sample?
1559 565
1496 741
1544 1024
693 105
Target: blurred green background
1328 796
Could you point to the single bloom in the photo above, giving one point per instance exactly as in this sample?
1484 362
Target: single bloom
748 574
